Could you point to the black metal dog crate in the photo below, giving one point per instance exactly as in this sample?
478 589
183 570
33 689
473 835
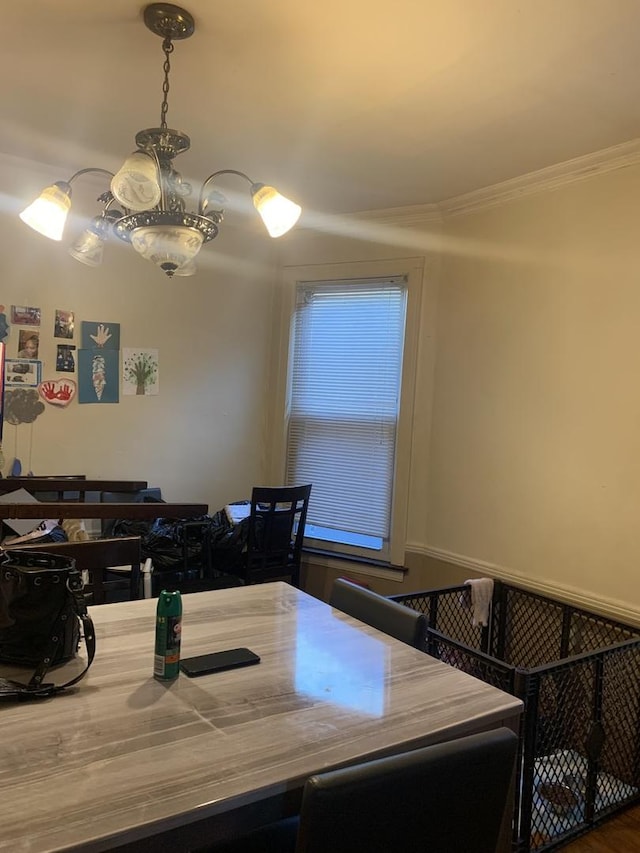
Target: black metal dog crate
578 675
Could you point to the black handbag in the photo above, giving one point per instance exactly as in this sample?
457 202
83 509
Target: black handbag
42 611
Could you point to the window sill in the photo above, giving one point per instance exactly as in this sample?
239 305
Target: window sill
355 564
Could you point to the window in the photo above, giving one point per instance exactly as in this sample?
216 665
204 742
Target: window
343 406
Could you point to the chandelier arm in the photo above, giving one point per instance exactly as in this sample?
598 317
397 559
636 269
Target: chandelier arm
215 175
85 171
107 213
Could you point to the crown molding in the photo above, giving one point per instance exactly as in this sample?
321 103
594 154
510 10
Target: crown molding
543 180
416 214
610 607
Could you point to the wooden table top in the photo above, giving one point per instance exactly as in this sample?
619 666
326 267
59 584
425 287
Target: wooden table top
125 757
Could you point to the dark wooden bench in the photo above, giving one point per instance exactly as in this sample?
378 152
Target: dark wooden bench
67 488
86 509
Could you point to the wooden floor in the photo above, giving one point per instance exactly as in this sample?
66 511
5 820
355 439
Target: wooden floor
621 834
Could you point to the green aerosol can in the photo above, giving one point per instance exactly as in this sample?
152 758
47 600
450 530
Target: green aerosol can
166 662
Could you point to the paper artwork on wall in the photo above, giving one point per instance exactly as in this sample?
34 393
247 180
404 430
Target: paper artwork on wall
23 315
102 335
4 326
22 406
23 372
64 324
2 354
98 377
140 371
57 392
65 361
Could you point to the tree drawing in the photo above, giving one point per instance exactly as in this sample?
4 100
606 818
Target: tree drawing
141 369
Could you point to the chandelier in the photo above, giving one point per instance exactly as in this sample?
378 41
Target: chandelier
151 193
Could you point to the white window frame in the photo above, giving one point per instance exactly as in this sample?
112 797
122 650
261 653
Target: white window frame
412 270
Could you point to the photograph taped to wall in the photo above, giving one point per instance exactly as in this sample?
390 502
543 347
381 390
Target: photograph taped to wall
24 315
23 372
64 324
28 343
65 362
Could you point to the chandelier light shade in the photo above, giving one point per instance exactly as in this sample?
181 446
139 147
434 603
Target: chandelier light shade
137 184
154 218
89 247
278 213
48 213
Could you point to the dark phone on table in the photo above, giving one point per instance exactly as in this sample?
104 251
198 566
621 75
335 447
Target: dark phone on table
218 661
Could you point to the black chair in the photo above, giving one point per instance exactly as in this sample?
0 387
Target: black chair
275 534
447 798
388 616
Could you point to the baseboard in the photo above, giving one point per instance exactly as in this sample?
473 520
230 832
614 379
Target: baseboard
610 607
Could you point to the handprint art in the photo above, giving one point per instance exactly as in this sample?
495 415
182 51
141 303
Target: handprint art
57 392
101 336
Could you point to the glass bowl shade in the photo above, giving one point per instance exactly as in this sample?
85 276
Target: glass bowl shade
168 246
188 269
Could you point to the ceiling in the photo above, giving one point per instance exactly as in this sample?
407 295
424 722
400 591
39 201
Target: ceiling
344 105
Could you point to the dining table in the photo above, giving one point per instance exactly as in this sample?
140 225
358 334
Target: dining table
126 762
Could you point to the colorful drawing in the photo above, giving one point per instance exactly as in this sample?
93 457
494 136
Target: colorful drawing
57 392
98 377
28 343
22 315
24 372
140 373
100 335
64 324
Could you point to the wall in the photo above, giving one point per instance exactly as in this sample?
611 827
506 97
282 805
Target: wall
536 440
526 445
202 437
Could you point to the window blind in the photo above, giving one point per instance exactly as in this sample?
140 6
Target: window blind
344 394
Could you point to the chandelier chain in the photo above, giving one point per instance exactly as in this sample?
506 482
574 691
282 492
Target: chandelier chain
167 47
